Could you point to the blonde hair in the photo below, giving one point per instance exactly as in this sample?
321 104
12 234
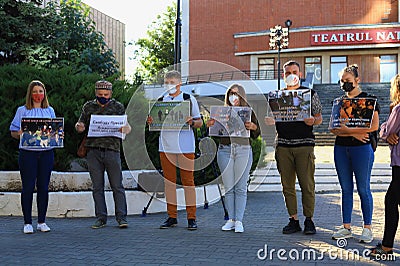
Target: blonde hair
395 90
241 93
29 100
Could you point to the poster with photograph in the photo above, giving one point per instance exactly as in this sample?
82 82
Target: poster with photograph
169 115
106 126
352 112
290 105
229 121
42 133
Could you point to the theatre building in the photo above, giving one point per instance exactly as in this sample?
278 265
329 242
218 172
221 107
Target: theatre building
324 36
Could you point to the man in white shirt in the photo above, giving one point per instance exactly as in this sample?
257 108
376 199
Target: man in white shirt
177 149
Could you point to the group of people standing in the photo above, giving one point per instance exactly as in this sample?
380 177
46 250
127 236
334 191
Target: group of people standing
104 155
294 154
353 155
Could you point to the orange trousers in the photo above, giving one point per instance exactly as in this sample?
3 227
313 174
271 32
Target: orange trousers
185 163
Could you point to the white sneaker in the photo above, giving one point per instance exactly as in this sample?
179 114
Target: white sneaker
229 225
366 236
28 229
239 227
342 233
43 227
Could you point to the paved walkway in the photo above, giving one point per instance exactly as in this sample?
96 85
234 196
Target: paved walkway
73 242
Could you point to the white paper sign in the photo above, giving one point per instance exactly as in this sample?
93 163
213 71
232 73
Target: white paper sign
107 126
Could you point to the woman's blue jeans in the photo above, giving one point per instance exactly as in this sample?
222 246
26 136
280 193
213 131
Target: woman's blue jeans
35 168
357 160
234 162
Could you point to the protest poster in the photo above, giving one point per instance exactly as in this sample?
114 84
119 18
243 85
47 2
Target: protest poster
106 126
290 105
169 115
352 112
229 121
42 133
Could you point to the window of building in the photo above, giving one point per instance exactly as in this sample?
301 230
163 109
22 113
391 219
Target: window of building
266 68
313 65
388 67
337 64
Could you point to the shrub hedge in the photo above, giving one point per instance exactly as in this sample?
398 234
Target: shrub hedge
67 92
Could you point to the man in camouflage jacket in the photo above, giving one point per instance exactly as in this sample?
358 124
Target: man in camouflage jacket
104 155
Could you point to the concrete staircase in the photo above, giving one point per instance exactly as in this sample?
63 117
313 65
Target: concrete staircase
328 92
268 178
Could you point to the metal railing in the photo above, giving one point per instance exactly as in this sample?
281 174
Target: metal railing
235 75
231 75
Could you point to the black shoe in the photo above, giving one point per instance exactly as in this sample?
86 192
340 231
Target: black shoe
170 222
192 225
309 227
122 223
292 227
378 252
99 224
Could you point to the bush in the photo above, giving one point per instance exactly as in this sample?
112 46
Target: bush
67 92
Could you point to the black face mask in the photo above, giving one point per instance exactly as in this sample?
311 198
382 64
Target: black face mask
102 100
347 86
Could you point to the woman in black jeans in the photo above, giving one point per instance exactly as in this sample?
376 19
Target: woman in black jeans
390 133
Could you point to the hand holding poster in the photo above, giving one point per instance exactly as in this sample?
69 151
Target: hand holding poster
107 126
169 115
229 121
42 133
352 112
290 105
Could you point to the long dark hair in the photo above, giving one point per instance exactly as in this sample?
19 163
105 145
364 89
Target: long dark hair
241 94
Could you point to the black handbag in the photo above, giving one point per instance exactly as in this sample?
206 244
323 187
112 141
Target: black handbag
373 138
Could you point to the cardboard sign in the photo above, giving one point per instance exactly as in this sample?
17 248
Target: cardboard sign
42 133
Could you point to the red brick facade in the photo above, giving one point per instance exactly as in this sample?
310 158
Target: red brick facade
236 31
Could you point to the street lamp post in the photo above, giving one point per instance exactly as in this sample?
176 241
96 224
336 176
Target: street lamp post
279 38
178 25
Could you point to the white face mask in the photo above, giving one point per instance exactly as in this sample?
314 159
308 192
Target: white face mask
233 98
292 80
171 88
172 91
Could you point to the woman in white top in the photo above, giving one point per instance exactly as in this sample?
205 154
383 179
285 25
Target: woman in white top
35 165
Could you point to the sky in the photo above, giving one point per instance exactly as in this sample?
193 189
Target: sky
136 15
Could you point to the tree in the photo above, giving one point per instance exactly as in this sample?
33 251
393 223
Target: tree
53 37
156 52
77 42
20 28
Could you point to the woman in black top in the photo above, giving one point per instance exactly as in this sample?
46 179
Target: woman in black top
353 153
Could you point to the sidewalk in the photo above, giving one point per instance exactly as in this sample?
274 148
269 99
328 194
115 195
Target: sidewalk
73 242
